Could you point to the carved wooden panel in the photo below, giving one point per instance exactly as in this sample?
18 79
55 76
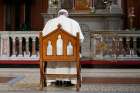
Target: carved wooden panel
50 46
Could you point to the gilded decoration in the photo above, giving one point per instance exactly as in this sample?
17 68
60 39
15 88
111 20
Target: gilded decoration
101 46
82 4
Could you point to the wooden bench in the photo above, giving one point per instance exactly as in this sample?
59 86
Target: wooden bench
48 53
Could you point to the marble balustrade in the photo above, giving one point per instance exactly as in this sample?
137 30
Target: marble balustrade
118 45
19 45
107 45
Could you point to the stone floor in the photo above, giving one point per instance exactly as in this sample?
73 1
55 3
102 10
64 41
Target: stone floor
27 81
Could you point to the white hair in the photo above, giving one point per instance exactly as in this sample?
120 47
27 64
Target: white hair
63 12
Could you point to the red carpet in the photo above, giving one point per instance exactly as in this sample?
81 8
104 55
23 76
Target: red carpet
19 61
101 62
110 80
85 62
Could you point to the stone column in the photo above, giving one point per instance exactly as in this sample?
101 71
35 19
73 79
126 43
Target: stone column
93 46
135 45
127 46
113 47
5 46
20 46
13 50
120 46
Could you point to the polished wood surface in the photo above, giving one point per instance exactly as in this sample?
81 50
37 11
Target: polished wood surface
44 58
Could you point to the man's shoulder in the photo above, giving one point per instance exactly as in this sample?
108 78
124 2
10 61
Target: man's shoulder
51 20
73 21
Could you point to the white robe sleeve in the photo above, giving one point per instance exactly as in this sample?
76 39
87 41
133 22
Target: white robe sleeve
45 29
77 28
80 32
50 26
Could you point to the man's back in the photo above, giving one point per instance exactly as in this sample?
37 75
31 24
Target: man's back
68 24
72 27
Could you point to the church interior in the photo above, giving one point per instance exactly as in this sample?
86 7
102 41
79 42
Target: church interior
110 52
111 28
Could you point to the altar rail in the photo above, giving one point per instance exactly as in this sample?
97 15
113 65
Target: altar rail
117 45
98 45
19 45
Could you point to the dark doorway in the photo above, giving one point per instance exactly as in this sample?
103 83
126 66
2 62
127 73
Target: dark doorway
12 19
17 18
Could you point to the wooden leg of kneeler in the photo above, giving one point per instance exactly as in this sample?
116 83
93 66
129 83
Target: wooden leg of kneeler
41 86
41 82
44 69
78 75
78 80
44 82
41 76
77 85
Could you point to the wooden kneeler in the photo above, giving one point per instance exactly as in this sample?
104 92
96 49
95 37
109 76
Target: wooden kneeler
48 53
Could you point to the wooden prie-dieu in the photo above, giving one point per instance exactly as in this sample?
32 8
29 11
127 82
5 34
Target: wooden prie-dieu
48 53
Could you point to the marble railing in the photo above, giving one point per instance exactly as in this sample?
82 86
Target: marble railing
118 45
19 45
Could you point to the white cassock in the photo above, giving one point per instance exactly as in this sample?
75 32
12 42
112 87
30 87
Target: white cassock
72 27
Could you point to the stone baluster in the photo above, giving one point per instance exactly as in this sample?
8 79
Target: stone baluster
135 45
102 50
114 47
5 46
20 46
131 46
93 43
33 46
127 45
117 46
13 50
120 46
